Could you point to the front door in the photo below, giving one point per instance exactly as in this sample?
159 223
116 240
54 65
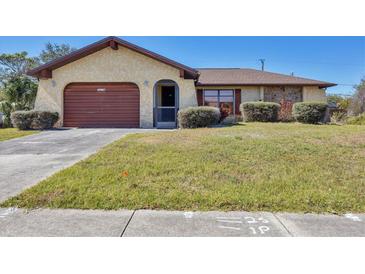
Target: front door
166 102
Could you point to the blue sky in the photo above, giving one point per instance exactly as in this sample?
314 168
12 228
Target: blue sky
335 59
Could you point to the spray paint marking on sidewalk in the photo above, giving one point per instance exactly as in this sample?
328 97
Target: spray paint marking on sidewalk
7 212
256 226
353 217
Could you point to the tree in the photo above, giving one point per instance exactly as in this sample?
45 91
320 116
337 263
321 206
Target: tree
17 90
358 100
53 51
14 65
18 93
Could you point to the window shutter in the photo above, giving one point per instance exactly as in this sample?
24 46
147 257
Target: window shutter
199 96
237 96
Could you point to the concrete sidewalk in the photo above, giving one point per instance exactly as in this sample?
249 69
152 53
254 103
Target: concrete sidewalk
128 223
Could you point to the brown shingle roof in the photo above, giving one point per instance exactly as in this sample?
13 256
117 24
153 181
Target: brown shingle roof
252 77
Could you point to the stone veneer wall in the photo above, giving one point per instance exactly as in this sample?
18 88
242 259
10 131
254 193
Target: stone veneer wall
288 93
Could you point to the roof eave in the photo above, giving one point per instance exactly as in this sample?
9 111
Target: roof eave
321 85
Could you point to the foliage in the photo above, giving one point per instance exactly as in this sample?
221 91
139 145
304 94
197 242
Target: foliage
338 117
253 167
225 110
285 113
339 114
34 119
15 65
53 51
17 90
195 117
356 120
18 93
309 112
357 105
341 102
260 111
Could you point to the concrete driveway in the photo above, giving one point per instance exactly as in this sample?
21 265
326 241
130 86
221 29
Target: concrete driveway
27 160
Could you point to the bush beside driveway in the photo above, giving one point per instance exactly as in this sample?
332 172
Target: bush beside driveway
253 167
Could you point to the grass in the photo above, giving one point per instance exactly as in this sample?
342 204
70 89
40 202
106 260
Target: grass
11 133
254 167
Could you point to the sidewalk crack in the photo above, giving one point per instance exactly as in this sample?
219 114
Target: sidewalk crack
125 228
287 230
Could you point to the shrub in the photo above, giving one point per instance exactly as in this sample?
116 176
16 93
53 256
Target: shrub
194 117
356 120
224 110
34 119
309 112
338 117
260 111
20 119
341 102
285 113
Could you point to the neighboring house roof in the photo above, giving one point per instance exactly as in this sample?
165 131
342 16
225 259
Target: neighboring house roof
251 77
45 71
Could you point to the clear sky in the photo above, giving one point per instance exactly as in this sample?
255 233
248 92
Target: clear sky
335 59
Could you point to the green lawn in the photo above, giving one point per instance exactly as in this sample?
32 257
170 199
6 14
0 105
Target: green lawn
256 166
10 133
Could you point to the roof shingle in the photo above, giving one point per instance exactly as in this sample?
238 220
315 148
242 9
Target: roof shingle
252 77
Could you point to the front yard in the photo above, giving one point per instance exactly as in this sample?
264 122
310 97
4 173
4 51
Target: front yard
10 133
255 167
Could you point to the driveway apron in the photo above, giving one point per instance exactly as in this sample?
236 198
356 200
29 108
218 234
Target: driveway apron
26 161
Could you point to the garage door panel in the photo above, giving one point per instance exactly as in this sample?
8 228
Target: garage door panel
101 105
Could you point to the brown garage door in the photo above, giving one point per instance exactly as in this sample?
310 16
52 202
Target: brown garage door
101 105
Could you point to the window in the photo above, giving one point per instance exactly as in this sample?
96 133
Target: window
222 99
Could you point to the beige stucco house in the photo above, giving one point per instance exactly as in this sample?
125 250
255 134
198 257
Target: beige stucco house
113 83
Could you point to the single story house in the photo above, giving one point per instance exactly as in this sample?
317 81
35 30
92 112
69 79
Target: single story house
113 83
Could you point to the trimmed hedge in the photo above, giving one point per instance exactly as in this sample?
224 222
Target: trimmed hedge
260 111
309 112
34 119
194 117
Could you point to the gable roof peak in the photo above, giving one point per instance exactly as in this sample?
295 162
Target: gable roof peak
45 70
